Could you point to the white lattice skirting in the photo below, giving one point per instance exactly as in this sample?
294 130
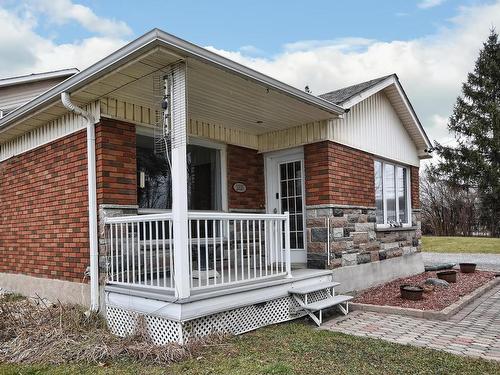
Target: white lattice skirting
237 321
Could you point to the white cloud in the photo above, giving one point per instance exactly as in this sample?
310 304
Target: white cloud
342 44
24 51
64 11
431 68
251 50
426 4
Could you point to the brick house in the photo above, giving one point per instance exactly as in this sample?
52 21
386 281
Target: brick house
169 182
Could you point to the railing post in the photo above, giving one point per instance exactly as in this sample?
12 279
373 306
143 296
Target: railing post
178 103
288 256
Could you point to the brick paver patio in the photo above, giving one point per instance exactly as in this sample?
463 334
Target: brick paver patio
474 331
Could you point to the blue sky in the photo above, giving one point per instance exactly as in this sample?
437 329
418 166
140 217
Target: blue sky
269 25
430 44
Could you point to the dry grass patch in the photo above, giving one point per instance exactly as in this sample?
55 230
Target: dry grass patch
35 331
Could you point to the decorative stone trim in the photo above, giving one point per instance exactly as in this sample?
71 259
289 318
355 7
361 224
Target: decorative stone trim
347 236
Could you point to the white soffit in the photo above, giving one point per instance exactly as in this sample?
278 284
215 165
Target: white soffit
119 75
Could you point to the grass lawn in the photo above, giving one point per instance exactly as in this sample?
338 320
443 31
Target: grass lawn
461 244
293 348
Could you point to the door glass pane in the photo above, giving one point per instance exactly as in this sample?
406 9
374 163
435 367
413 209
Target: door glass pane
298 186
283 171
298 170
284 205
292 200
291 190
291 171
390 192
379 197
402 194
300 222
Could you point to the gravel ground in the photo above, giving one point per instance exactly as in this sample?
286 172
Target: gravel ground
389 294
484 261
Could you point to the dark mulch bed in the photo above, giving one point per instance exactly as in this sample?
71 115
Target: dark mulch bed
437 299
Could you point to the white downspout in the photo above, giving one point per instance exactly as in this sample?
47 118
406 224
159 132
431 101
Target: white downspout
92 197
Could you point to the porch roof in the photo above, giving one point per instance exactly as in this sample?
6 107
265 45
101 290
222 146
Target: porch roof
219 90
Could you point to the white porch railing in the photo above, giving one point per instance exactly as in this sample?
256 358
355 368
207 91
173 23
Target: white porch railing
224 249
140 250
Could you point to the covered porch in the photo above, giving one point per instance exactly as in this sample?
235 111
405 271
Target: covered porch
192 237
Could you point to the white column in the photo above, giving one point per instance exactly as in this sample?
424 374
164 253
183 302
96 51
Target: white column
178 107
288 255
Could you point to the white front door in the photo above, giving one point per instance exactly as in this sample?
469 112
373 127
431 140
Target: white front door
285 192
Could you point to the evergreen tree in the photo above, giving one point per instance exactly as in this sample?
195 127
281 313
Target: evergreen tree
474 163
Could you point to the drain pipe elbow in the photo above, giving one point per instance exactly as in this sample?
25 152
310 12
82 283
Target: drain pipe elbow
92 198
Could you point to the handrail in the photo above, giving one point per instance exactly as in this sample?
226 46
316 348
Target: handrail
194 215
134 218
224 249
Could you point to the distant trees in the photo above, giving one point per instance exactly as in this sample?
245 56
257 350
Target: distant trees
449 210
461 193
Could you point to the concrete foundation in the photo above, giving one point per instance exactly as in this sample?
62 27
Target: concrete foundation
362 276
52 289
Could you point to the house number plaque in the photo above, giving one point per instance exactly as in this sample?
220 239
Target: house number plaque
239 187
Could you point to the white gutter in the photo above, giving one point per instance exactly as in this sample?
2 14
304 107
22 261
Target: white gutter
92 197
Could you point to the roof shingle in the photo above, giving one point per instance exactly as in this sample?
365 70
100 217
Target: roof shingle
341 95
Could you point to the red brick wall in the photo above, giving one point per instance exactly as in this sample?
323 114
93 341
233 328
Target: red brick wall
43 205
337 174
247 166
116 162
415 187
43 200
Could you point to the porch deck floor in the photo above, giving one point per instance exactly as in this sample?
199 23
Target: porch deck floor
241 284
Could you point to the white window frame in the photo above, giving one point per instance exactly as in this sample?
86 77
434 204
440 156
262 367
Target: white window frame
408 223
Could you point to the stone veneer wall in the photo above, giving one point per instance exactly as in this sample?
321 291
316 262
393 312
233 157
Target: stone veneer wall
341 213
353 238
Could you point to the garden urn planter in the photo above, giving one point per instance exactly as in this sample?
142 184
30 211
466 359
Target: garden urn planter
450 276
411 292
467 267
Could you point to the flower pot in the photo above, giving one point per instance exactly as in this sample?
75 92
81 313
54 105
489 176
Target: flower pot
411 292
467 267
450 276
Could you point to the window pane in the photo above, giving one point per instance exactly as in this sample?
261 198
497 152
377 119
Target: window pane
157 189
203 178
204 187
379 198
402 194
390 192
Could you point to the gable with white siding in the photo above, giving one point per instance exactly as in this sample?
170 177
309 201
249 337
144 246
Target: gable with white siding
373 125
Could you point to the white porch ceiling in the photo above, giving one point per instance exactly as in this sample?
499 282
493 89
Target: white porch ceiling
214 95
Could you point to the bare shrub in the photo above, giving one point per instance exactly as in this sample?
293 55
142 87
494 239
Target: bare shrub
34 331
